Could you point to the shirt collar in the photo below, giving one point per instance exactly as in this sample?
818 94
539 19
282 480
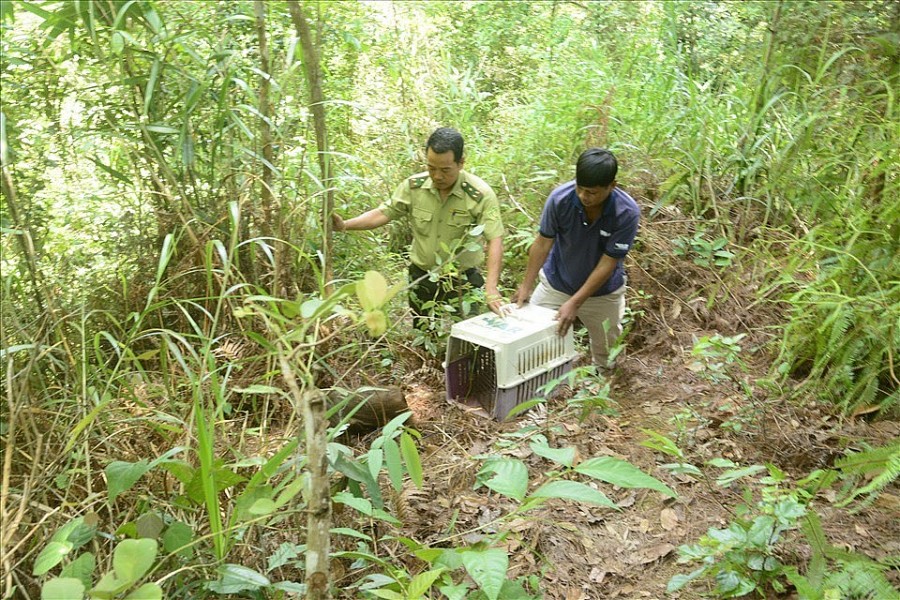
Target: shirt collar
608 206
456 190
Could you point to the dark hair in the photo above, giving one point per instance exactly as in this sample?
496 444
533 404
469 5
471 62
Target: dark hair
596 167
445 139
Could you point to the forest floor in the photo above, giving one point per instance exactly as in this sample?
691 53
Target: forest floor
586 552
581 551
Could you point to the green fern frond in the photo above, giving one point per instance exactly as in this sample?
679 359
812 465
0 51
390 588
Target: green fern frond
885 459
837 325
861 580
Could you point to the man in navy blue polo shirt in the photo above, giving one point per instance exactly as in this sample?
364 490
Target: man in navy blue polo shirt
587 227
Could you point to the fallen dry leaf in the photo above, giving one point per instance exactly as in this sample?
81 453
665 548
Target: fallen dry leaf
627 501
650 554
575 594
597 575
668 518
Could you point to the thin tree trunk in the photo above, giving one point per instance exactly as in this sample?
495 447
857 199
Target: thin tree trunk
318 520
25 240
267 196
313 78
759 101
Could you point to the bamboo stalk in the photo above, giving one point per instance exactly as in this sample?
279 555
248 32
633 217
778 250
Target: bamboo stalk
312 403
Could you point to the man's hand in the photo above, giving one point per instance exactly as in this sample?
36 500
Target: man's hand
337 223
495 301
522 295
566 316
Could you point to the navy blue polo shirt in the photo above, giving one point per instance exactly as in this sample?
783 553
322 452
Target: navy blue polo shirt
578 246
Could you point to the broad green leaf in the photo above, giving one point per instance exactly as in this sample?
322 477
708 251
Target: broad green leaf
376 322
564 456
394 464
422 582
488 569
622 473
82 569
120 476
510 477
117 43
108 587
148 591
411 458
50 556
375 461
285 553
388 431
371 290
387 594
246 499
234 579
454 591
362 505
177 538
351 533
761 532
679 581
179 469
290 586
63 588
385 516
149 525
682 468
291 490
133 558
309 307
573 490
732 475
78 531
222 477
660 442
263 506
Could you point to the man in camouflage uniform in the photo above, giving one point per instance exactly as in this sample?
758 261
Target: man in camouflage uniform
442 206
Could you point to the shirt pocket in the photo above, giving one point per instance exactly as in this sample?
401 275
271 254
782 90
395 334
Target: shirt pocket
421 221
460 222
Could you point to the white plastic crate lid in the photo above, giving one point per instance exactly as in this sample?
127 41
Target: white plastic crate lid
492 331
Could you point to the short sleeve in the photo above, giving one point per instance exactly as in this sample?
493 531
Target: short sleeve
622 238
490 216
398 205
549 224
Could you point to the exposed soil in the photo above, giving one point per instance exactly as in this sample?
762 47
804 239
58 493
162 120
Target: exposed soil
585 552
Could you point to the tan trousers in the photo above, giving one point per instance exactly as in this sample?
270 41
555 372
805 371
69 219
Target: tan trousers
596 310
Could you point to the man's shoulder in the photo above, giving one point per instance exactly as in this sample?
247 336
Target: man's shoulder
562 192
625 204
474 186
416 181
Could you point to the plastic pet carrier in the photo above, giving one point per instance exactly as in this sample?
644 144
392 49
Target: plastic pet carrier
502 362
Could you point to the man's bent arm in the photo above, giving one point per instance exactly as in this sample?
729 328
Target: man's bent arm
537 255
568 312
